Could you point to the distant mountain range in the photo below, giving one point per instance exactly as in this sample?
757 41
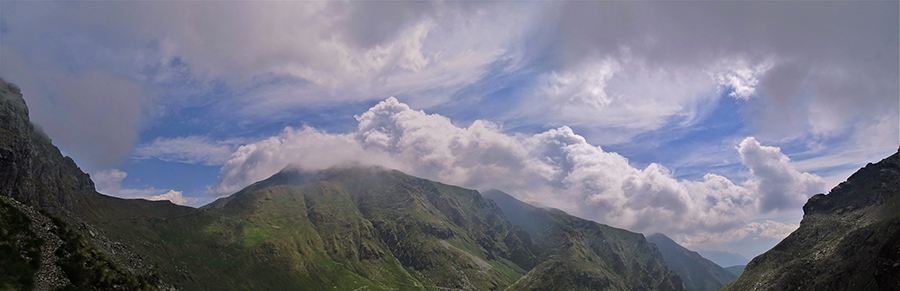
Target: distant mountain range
736 270
723 258
695 271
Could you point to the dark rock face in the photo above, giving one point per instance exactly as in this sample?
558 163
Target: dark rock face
32 170
847 240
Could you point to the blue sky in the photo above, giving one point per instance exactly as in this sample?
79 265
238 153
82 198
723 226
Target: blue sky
712 122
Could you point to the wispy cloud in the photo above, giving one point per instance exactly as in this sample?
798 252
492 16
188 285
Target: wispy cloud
189 149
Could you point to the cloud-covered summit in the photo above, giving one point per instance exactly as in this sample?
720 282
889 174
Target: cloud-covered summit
557 168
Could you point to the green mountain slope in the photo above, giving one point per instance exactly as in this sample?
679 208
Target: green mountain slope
847 240
695 271
583 255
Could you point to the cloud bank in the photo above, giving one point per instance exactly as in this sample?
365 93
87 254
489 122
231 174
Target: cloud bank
556 168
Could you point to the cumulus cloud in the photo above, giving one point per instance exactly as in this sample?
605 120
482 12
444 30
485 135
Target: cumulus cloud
174 196
557 168
188 149
778 184
109 182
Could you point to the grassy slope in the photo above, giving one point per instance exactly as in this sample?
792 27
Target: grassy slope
380 229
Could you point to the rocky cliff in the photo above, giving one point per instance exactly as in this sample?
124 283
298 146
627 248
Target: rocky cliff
44 240
848 239
32 170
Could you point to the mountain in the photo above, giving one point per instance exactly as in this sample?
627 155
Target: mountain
585 255
737 270
42 194
848 239
695 271
723 258
351 228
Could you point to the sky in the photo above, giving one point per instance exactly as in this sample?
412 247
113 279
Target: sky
711 122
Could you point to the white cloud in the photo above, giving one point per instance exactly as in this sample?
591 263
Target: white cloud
767 229
632 95
174 196
742 79
188 149
307 147
109 182
557 168
779 185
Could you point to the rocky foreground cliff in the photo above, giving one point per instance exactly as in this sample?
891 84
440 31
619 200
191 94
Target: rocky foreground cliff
45 241
848 239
